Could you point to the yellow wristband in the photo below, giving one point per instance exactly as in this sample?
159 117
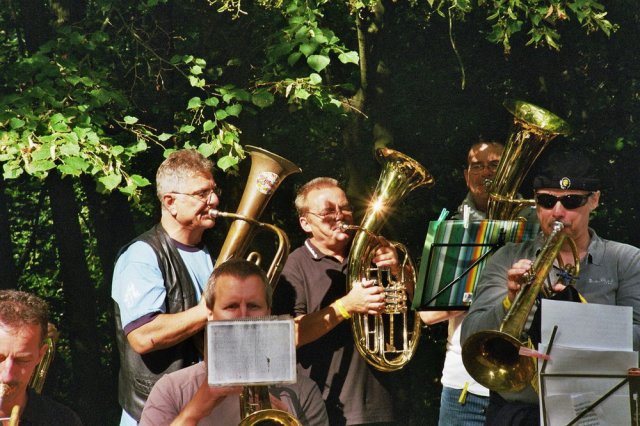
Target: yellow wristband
343 311
506 303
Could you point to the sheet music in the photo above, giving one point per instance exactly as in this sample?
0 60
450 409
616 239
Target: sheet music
588 325
591 340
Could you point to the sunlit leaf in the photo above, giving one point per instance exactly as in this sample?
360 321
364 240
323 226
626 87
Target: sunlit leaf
318 62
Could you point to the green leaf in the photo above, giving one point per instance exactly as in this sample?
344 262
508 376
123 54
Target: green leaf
60 127
43 152
39 166
212 102
315 79
349 58
11 171
207 149
194 103
308 48
77 163
68 170
196 70
186 129
226 162
262 98
130 120
110 181
16 123
221 114
318 62
140 180
301 94
208 125
234 110
196 82
164 137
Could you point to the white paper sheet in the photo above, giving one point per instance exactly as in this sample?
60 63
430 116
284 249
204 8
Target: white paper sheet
591 340
588 325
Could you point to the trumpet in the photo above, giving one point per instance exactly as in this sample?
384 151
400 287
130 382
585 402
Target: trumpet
492 357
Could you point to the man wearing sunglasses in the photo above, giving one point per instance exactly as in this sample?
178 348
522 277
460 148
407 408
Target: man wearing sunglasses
565 191
158 281
313 290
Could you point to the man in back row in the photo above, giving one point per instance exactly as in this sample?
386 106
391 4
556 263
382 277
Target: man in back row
463 401
237 289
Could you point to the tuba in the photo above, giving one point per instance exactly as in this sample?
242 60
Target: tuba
377 344
267 171
533 128
492 357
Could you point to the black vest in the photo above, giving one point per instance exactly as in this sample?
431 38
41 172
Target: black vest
138 373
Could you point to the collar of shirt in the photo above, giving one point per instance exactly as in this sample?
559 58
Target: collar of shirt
317 254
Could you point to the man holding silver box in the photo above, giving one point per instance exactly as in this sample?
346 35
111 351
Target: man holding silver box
237 289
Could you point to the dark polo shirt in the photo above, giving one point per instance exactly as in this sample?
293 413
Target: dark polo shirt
354 392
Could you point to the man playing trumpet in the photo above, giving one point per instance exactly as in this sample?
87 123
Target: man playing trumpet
567 192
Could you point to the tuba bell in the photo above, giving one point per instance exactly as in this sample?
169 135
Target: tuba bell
267 171
533 128
375 335
492 357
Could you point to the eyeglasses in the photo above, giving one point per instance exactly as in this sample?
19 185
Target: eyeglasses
203 196
477 168
332 214
570 202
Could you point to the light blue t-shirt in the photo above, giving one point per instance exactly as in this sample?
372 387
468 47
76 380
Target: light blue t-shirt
138 287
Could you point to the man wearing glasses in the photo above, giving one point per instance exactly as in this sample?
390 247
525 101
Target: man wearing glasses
565 191
158 281
313 289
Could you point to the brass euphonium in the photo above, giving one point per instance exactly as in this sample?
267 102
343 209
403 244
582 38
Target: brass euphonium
492 357
533 128
400 175
267 171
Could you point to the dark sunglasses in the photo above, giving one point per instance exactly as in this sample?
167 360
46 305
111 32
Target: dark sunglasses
570 202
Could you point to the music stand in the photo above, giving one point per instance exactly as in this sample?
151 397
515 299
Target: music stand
632 377
454 255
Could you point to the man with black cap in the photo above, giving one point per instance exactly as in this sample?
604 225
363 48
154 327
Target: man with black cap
609 271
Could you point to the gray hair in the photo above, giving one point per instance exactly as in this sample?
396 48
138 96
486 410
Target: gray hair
179 166
303 192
